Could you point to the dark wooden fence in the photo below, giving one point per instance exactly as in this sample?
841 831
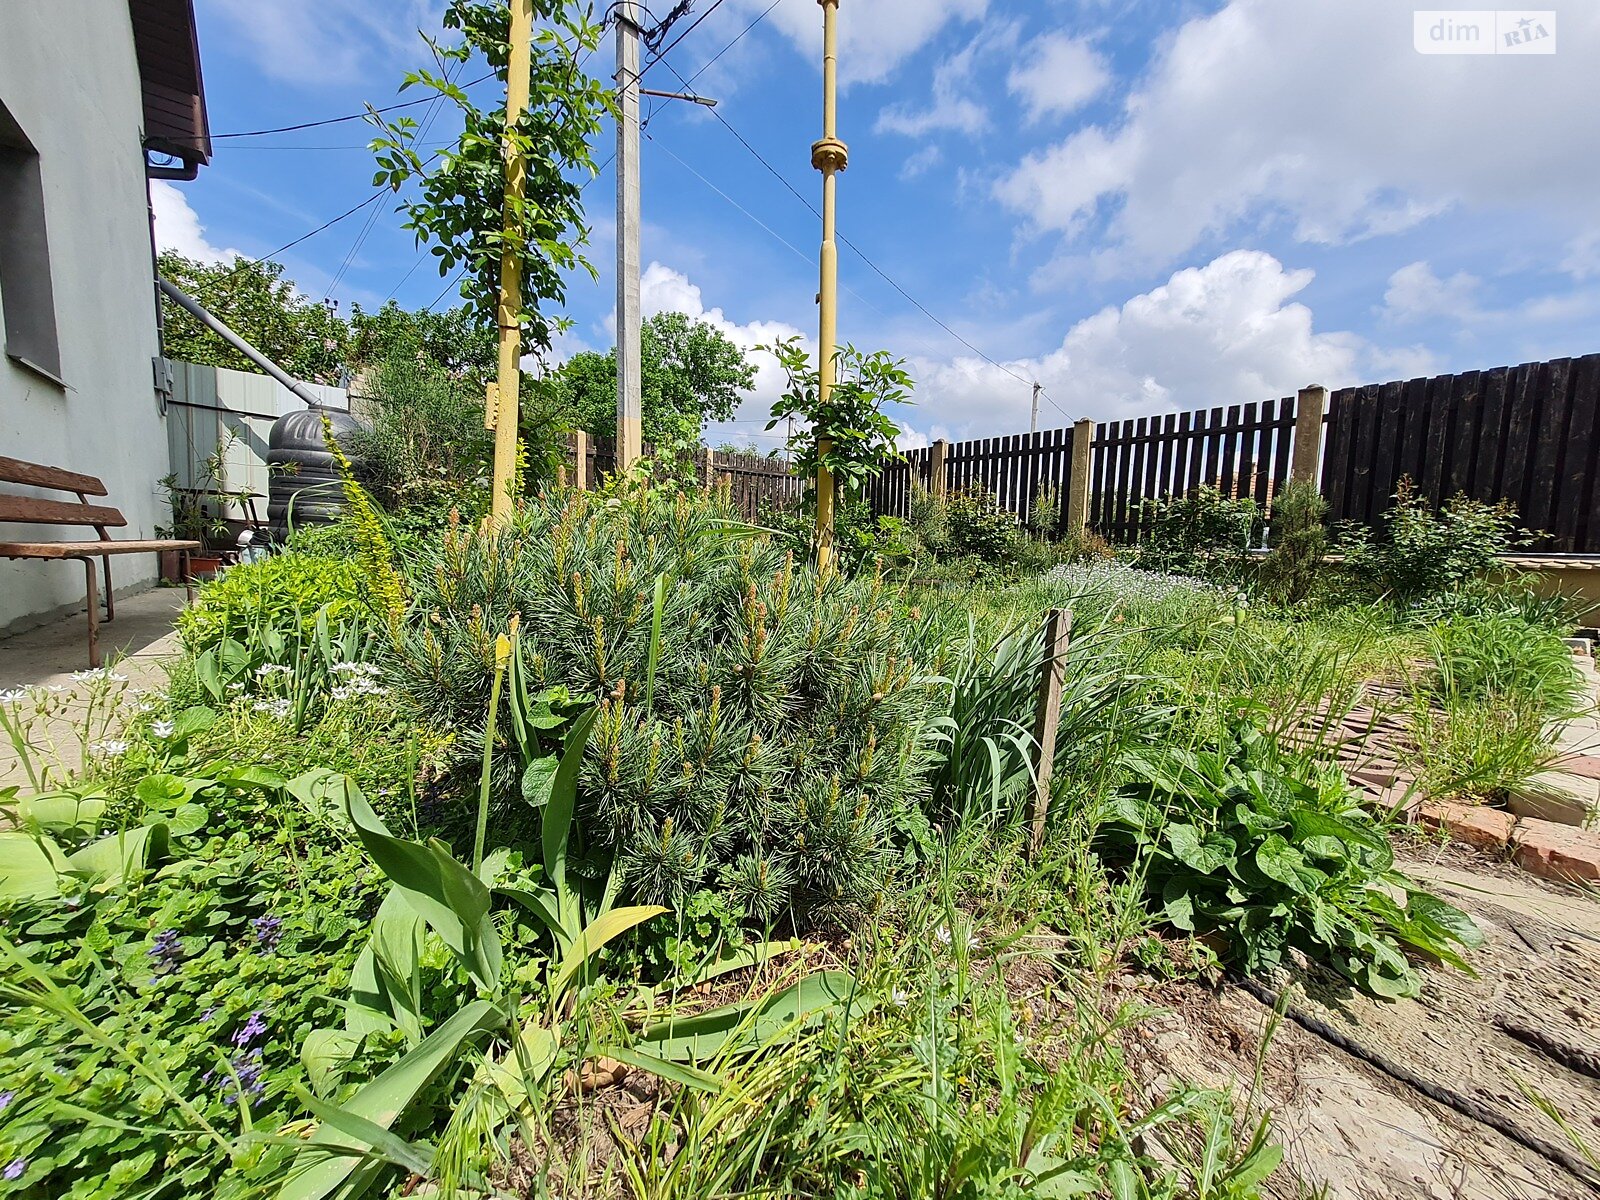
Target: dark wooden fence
1242 450
1017 471
754 482
1528 434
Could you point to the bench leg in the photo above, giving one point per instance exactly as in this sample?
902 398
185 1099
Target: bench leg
188 577
111 607
92 587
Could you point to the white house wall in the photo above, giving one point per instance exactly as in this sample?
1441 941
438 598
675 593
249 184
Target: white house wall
69 77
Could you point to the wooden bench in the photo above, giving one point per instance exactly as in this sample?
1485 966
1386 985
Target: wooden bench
35 510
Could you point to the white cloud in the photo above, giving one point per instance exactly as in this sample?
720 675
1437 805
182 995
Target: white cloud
875 36
1228 332
1415 292
1059 75
661 289
920 163
952 108
1320 113
325 42
178 228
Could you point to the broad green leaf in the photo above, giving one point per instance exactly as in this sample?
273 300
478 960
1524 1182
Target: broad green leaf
60 810
195 720
324 1054
327 1160
563 799
164 792
392 1148
1204 855
1278 860
673 1072
539 779
451 899
321 793
120 857
749 1024
190 818
30 867
595 935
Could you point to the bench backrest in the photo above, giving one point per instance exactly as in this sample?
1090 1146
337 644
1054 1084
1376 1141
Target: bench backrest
35 510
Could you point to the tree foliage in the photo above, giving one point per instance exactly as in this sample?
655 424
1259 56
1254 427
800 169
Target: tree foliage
850 435
460 195
258 303
690 373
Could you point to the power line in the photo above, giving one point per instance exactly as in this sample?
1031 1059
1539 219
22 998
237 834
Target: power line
659 54
360 116
862 254
707 64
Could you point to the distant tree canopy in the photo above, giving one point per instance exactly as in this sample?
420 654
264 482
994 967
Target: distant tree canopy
252 298
690 373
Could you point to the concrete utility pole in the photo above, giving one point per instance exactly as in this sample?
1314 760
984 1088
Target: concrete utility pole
630 414
830 156
1033 423
503 400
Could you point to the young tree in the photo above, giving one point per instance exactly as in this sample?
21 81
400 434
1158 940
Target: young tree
257 302
460 192
690 373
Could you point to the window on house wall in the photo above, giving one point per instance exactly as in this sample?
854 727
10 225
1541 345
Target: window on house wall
27 301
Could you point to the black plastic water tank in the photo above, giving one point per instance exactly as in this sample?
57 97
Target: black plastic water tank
303 486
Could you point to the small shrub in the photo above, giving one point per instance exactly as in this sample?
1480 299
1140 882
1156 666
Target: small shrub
1424 553
280 591
1299 541
1202 532
756 719
1231 840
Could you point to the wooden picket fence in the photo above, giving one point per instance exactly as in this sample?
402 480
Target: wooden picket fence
756 483
1528 434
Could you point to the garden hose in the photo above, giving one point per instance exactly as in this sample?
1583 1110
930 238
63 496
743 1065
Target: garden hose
1467 1107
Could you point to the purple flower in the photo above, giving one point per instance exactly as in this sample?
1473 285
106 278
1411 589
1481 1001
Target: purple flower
15 1168
206 1016
6 1097
165 951
247 1069
268 931
253 1028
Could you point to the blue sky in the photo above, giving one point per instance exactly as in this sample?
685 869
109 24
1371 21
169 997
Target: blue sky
1144 205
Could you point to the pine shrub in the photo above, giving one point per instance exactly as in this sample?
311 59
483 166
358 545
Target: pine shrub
780 749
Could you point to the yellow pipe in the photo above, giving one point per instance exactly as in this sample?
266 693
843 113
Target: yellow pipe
519 68
829 156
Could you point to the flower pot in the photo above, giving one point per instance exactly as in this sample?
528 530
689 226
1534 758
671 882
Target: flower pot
204 566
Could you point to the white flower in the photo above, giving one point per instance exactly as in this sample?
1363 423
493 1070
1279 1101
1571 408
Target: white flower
899 997
943 934
162 729
13 696
91 674
109 749
115 678
277 708
266 669
56 688
236 686
145 706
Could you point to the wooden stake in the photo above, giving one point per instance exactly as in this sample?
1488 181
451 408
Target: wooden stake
1052 672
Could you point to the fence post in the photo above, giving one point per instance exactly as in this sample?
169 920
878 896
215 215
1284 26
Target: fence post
936 460
580 459
1057 633
1310 406
1078 482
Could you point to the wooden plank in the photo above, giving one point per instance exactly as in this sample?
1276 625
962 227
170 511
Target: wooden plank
1468 434
1099 492
1549 449
1047 715
1283 443
91 549
1336 454
1136 479
1166 450
57 479
1198 424
1441 427
1228 455
1215 446
1400 421
1576 525
1180 452
36 511
1521 433
1266 430
1364 507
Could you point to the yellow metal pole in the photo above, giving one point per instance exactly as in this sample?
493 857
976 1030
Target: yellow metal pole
510 309
829 156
